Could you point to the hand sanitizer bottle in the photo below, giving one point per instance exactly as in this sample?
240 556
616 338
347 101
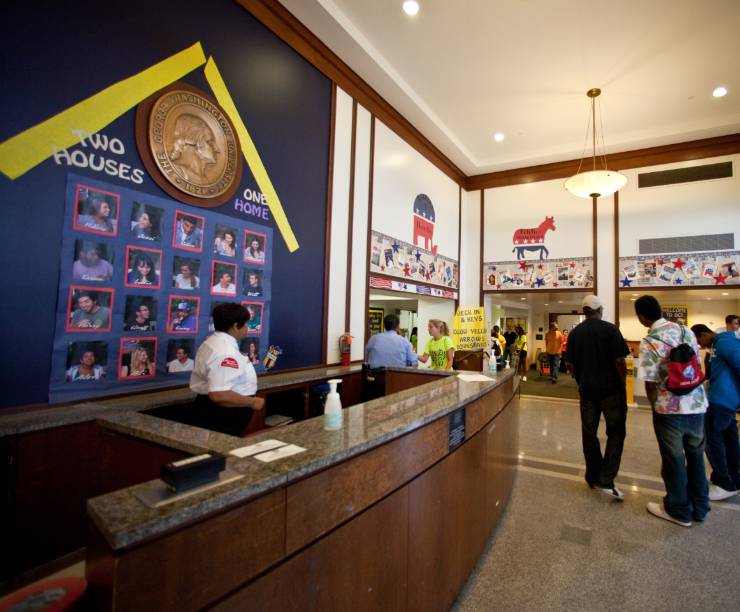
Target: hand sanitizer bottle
492 364
333 407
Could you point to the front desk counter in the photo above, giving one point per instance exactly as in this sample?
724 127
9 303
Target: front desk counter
390 512
53 459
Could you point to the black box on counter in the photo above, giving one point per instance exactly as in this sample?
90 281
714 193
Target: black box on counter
192 472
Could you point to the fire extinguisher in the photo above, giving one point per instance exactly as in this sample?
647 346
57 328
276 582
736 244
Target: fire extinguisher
345 348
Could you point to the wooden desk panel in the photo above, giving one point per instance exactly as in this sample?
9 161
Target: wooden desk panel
360 566
323 501
194 566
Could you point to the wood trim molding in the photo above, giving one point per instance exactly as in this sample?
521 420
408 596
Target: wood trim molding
548 291
459 246
638 158
595 243
659 288
481 272
369 225
327 245
287 27
350 218
616 257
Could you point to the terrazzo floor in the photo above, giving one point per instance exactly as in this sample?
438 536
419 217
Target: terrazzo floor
562 546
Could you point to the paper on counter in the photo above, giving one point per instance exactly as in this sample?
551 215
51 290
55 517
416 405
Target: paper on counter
280 453
473 378
260 447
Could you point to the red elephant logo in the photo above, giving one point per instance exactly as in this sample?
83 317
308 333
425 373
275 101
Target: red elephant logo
424 222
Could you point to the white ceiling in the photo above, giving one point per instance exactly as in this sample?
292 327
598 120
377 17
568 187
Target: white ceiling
462 70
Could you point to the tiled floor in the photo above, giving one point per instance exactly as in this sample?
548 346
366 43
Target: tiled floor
562 546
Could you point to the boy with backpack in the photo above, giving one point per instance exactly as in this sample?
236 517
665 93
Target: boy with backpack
669 365
720 423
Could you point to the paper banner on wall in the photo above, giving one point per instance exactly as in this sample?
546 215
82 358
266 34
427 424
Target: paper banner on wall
469 329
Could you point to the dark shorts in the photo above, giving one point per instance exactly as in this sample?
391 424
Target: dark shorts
231 421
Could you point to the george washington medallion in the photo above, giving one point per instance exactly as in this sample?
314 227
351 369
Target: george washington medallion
193 144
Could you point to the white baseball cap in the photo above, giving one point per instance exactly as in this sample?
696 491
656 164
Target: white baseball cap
591 301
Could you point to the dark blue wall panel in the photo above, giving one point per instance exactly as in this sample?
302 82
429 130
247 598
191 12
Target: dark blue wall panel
57 54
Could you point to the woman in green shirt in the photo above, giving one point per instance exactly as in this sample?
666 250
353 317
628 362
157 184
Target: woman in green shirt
520 344
440 347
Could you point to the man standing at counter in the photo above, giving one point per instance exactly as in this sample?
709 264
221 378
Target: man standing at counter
388 348
223 378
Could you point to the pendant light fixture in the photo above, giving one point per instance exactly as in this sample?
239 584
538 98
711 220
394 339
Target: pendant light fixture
595 183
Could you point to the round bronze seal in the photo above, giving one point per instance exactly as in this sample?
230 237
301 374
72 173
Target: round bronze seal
192 145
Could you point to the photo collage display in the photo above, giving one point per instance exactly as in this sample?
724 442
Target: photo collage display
139 278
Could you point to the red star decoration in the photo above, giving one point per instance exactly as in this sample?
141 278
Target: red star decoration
679 264
719 279
498 286
428 276
540 267
522 265
572 264
382 268
555 284
661 261
406 270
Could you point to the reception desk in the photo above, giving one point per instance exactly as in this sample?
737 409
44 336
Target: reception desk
391 512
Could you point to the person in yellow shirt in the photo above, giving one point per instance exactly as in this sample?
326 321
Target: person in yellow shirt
498 343
520 344
553 347
440 348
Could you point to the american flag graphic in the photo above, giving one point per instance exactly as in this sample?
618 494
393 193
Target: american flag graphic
424 290
380 283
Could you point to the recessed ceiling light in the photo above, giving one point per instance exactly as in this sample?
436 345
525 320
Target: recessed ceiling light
498 136
560 301
546 304
410 7
719 92
635 294
725 293
522 298
708 299
633 299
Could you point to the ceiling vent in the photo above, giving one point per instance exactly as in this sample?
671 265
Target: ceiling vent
707 172
687 244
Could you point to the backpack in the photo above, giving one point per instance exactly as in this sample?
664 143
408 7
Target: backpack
684 368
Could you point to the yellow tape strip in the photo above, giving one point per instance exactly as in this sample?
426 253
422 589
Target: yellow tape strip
31 147
251 155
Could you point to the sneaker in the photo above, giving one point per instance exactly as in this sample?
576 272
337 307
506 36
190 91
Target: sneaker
718 493
656 509
554 382
612 492
524 379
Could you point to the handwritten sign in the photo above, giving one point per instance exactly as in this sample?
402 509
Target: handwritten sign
469 329
677 314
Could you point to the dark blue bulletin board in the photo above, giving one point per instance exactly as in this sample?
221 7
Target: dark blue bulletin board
58 54
128 284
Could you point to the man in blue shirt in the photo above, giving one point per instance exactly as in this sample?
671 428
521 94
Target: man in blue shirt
389 348
720 425
385 349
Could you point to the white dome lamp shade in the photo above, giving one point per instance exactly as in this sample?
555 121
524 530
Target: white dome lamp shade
595 183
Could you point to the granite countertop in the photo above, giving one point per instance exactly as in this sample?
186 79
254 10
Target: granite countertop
17 421
125 521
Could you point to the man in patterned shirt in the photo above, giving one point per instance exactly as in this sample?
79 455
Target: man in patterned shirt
678 420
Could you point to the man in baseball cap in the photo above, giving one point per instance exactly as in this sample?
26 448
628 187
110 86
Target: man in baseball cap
182 319
596 352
